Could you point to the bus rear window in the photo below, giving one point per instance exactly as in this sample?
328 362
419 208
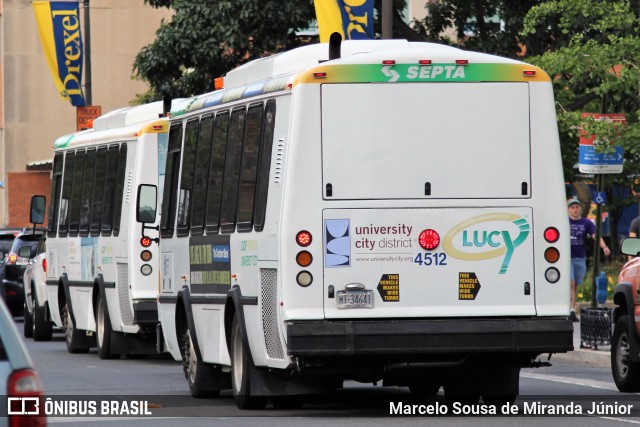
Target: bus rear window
433 140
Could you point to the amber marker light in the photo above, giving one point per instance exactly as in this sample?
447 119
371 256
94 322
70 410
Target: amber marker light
304 258
552 255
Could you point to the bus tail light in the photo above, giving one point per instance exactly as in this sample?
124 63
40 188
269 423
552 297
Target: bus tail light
552 255
304 258
304 238
304 278
145 241
551 234
146 256
429 239
552 275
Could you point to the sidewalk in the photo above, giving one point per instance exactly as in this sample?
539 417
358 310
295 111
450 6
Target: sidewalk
600 357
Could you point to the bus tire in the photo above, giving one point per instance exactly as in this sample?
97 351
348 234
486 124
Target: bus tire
103 330
28 322
71 334
42 328
241 367
501 385
196 372
626 373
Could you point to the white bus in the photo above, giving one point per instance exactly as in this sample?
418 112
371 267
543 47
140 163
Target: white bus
102 277
389 211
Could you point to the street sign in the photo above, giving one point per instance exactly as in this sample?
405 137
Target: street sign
86 115
601 198
589 161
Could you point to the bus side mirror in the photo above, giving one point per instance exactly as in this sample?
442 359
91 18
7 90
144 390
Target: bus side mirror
38 204
147 202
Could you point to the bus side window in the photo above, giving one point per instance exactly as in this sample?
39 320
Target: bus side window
56 190
186 180
216 171
232 171
122 172
109 190
201 175
87 190
249 167
76 193
67 187
265 165
98 191
172 172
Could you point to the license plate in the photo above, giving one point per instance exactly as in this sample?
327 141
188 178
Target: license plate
355 299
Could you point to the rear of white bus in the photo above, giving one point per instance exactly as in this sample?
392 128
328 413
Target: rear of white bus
434 214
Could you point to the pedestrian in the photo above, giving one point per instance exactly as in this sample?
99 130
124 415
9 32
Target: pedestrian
580 228
634 230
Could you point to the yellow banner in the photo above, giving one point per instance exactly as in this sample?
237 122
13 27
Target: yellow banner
353 19
59 27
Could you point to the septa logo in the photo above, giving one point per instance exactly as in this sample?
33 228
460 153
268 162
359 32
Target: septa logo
470 241
23 406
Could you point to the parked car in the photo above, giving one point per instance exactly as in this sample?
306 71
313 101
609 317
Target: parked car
625 341
7 235
17 373
37 320
11 285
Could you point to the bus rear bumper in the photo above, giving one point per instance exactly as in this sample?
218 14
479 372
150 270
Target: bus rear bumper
423 337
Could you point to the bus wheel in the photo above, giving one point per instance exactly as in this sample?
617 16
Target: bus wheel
240 370
28 322
103 331
626 373
42 328
196 372
71 335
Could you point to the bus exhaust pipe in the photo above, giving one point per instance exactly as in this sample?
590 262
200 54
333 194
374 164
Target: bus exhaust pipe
334 46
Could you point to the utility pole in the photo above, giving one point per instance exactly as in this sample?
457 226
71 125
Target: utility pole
387 19
87 54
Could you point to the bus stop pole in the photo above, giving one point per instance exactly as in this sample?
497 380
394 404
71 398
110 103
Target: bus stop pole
596 243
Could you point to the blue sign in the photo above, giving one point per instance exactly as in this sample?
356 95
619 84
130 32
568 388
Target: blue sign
600 198
591 162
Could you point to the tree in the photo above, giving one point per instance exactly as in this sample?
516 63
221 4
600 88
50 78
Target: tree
207 38
593 60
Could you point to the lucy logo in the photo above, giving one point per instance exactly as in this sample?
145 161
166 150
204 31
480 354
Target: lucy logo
498 242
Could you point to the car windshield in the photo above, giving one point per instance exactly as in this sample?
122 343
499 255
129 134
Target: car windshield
26 240
6 241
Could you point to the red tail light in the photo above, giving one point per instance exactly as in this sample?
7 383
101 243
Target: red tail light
303 238
551 234
462 62
26 384
145 241
429 239
12 258
44 265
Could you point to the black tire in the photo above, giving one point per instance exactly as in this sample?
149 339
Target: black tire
71 334
241 366
103 331
462 389
501 384
28 322
42 328
626 374
197 373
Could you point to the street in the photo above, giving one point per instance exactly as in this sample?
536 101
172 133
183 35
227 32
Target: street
160 382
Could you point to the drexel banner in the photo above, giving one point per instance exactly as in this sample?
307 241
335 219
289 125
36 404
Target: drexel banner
59 28
353 19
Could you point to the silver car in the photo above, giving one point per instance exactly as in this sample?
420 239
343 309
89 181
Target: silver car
18 375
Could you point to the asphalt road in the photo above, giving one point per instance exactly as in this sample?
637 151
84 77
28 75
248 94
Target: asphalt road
160 383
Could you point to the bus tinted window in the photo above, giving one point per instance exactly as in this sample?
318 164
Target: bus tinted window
265 166
249 167
109 190
203 154
216 171
232 171
98 191
87 190
76 193
186 181
122 172
56 189
172 172
67 185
